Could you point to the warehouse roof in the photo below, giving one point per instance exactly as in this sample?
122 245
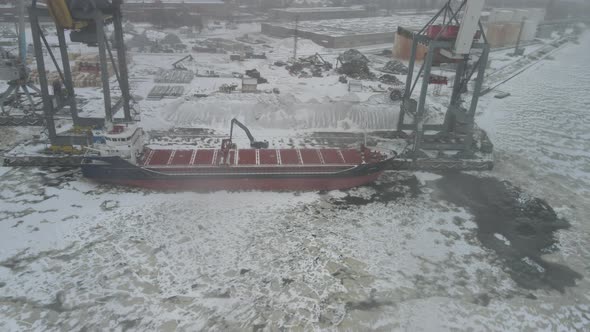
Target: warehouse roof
249 81
319 9
191 2
358 26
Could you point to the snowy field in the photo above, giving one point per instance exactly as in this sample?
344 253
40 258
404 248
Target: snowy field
411 252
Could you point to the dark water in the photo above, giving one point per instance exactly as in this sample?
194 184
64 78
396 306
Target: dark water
541 135
389 188
498 207
528 223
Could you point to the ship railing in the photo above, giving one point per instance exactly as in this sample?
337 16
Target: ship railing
91 151
386 152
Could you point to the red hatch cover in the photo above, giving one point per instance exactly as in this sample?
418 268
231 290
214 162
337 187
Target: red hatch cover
268 157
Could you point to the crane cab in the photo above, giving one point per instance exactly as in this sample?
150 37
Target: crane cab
79 16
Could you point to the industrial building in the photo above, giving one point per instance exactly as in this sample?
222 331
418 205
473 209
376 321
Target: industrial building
343 33
402 47
249 84
316 13
502 28
182 12
504 25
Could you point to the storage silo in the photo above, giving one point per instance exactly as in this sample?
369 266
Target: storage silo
529 30
402 48
510 33
495 34
502 15
519 14
537 14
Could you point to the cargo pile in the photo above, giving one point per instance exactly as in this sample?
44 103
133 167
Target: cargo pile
140 42
256 74
174 76
90 63
165 91
221 45
314 65
355 64
395 67
390 79
85 72
247 39
228 88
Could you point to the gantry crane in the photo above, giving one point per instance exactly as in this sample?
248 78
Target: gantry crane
462 43
14 70
86 20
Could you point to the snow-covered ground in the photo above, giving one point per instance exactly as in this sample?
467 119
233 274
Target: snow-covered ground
413 252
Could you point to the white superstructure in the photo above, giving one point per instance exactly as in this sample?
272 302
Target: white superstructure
469 25
124 140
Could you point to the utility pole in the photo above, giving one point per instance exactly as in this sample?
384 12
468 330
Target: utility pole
295 38
22 42
517 50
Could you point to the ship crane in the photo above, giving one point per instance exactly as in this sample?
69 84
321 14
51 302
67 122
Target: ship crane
227 143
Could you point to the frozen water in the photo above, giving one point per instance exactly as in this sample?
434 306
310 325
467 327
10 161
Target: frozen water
551 133
371 257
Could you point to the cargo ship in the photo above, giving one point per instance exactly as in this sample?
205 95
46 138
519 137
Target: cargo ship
122 158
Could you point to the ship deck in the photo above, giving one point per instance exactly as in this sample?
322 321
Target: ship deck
251 157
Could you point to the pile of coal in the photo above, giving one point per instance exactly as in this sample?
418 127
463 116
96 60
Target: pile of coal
395 67
355 64
313 65
256 74
390 79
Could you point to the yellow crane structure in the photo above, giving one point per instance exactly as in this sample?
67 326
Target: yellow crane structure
86 21
62 16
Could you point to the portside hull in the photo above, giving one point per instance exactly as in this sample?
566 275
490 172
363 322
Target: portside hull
248 183
120 172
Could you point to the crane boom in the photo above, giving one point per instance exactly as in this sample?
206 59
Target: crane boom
469 26
176 64
22 40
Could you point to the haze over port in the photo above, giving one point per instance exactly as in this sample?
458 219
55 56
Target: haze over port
294 165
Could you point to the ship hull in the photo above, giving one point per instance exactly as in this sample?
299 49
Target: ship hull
238 184
115 170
